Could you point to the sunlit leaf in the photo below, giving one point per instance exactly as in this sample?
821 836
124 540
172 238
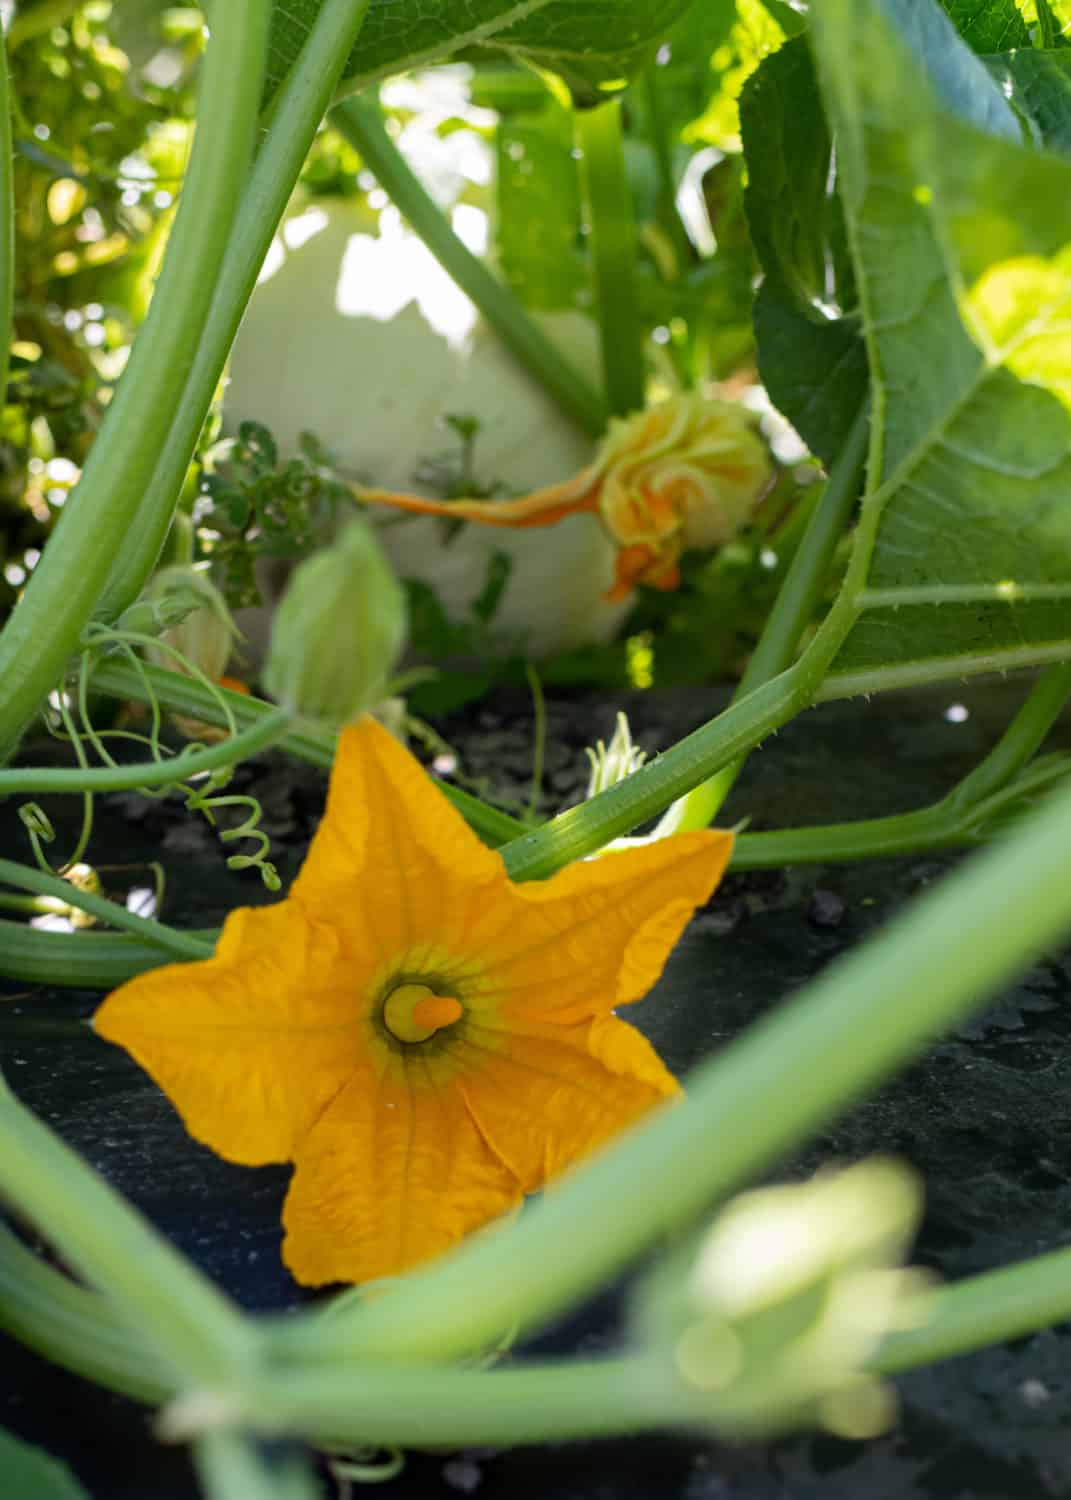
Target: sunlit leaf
593 44
989 25
1038 85
959 235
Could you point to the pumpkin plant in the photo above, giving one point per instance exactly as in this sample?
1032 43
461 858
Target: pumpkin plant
425 1023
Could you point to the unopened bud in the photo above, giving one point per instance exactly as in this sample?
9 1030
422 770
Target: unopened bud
338 631
197 623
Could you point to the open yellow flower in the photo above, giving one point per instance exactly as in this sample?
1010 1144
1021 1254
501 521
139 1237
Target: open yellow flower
425 1040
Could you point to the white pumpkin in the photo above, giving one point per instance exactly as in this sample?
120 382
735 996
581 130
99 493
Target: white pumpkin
365 341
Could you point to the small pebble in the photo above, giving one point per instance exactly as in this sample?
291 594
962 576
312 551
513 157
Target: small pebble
826 909
464 1475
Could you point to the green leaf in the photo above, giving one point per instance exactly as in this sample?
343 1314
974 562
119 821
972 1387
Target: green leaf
536 183
811 355
27 1473
1038 86
814 368
593 44
989 25
960 239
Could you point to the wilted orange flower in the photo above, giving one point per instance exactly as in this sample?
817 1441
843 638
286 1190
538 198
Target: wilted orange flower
423 1039
685 473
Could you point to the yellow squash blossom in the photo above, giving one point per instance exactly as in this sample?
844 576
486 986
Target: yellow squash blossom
686 473
425 1040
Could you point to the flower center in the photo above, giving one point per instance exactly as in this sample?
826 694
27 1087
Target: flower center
414 1012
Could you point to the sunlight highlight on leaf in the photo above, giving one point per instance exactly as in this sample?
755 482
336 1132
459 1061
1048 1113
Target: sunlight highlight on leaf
1019 312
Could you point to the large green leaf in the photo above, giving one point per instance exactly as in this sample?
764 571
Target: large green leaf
959 235
1038 85
593 44
28 1474
989 25
811 355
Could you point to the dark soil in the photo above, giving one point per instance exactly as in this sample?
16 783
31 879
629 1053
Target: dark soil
985 1116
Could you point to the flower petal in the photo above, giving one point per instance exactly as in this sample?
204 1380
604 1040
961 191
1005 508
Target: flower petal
546 1096
249 1045
392 1173
393 867
597 935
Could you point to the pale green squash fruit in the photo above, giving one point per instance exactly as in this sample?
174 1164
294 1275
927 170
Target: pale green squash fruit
363 340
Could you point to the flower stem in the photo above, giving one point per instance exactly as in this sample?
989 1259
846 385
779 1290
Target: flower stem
194 1329
44 629
296 114
766 1093
615 254
792 612
360 121
181 944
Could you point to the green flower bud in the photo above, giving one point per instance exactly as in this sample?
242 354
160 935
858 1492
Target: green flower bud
193 618
769 1320
338 631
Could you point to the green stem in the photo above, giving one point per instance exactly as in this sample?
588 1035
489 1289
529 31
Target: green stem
195 1330
793 611
763 1095
230 1468
832 843
310 743
1021 741
649 791
86 960
297 111
45 627
615 254
619 809
658 134
346 1406
180 944
360 121
7 223
267 728
73 1327
959 818
983 1310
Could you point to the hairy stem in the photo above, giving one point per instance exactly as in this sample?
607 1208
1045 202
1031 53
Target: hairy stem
792 612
